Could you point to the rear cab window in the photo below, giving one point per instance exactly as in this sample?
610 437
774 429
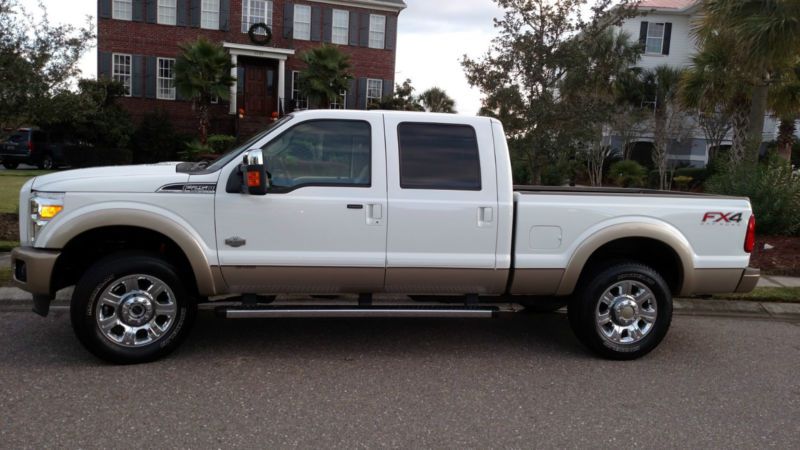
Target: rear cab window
439 157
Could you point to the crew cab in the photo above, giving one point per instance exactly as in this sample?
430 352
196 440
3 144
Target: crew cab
368 203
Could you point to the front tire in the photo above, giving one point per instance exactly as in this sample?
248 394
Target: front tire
131 308
622 312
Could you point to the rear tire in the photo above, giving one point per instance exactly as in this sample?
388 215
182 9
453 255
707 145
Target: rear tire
131 308
622 312
10 166
46 163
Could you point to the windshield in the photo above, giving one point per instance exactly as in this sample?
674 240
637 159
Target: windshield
19 136
223 160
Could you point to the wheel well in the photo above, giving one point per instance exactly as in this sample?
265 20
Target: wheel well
650 252
90 246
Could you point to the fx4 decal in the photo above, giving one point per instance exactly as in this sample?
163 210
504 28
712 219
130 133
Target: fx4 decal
720 217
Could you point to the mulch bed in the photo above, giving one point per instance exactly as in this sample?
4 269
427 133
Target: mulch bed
783 259
9 227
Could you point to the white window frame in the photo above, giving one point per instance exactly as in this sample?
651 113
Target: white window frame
377 31
649 37
370 98
296 33
340 34
120 75
167 13
160 89
252 14
299 103
209 17
122 9
340 101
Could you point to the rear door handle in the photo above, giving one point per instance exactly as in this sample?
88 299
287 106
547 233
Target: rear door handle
485 216
374 214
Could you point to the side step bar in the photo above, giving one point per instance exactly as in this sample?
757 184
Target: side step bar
278 312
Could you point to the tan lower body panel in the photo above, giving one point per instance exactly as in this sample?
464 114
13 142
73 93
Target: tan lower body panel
445 281
715 281
536 281
302 280
39 267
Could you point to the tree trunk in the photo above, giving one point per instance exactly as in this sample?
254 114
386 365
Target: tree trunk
755 135
202 112
786 139
740 120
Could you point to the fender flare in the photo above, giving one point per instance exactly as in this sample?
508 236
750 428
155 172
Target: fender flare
663 233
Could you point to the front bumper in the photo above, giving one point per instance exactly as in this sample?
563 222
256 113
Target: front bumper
32 271
749 280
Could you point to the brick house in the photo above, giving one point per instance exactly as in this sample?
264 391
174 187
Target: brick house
138 42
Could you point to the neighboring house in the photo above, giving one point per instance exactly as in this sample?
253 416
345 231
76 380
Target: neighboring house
138 43
664 28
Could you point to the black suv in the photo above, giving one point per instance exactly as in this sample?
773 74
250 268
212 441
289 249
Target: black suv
31 146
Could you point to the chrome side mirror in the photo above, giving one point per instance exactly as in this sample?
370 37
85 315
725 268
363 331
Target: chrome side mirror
254 172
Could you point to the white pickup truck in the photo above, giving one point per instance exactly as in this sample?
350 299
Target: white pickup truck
354 202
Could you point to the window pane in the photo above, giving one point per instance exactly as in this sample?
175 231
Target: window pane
166 79
439 156
122 10
256 11
377 30
374 90
299 102
121 71
167 12
302 22
209 18
655 38
325 152
341 27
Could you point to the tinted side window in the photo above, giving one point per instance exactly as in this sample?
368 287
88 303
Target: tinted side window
321 153
439 156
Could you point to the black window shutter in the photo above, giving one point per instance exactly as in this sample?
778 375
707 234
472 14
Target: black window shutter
103 64
667 37
350 101
150 79
137 73
353 28
151 6
137 7
388 88
316 18
224 15
287 91
363 30
104 9
327 25
288 20
182 13
643 33
362 94
195 13
391 32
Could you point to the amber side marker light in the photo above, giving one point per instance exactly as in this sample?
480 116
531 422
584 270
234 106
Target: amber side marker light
253 179
750 238
49 211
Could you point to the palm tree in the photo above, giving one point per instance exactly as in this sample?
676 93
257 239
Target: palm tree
767 41
326 76
662 86
784 101
437 100
203 73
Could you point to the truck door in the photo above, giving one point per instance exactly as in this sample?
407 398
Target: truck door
321 228
443 203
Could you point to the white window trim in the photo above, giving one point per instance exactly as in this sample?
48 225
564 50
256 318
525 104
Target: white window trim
125 79
340 102
295 97
373 20
170 11
346 26
115 11
249 20
204 11
648 37
296 22
159 79
380 90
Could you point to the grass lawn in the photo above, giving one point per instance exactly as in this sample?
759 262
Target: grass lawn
777 294
10 183
7 246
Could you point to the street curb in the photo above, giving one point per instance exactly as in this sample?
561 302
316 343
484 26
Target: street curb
16 300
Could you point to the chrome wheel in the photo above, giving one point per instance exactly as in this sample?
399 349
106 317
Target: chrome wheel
626 312
136 310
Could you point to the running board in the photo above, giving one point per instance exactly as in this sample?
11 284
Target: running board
278 312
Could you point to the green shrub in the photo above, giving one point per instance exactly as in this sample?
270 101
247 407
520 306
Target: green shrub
773 191
221 143
155 139
627 173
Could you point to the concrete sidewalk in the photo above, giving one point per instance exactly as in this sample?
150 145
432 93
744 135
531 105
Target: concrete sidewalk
769 281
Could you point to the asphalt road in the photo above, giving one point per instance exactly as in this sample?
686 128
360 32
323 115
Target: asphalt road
514 382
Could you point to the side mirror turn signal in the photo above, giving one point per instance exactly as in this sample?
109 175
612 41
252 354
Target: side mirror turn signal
254 173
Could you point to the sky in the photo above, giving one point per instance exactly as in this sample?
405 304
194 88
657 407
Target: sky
433 35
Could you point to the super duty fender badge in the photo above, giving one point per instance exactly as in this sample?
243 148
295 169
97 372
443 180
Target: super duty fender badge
722 218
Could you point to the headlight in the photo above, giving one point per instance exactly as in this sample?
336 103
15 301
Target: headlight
44 207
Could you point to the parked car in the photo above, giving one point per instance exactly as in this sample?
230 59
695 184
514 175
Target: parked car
368 202
34 147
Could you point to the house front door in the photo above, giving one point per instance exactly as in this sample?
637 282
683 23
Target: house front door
259 89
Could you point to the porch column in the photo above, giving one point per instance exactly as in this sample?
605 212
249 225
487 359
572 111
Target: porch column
234 87
281 83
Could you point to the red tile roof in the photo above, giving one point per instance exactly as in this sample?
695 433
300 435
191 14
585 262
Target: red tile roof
667 4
